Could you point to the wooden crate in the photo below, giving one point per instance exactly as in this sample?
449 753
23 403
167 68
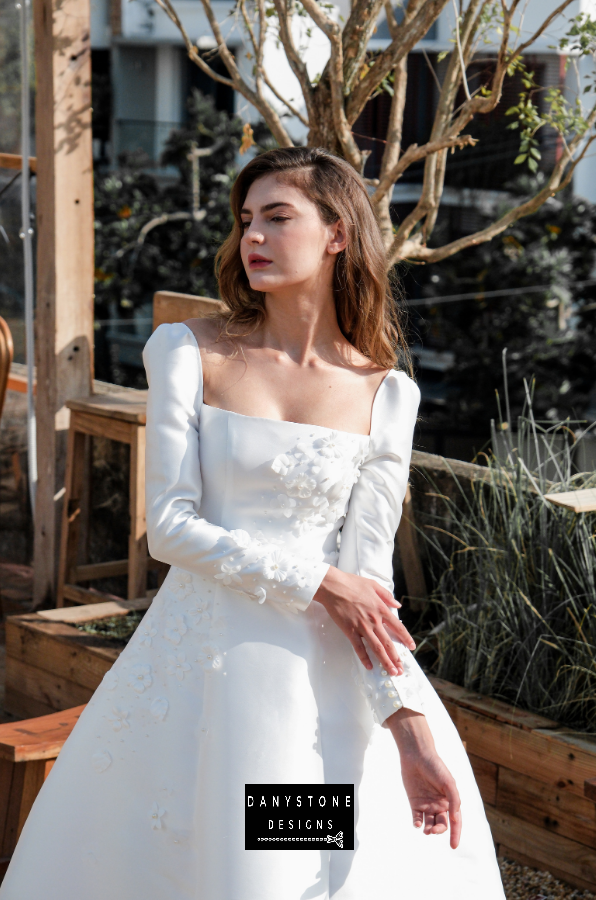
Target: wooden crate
532 775
51 665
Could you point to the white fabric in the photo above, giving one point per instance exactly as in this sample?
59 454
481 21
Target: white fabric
236 677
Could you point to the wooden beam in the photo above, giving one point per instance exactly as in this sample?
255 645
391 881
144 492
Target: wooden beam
14 161
76 614
64 312
581 501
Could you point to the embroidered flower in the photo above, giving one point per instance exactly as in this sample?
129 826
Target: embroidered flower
139 677
159 708
229 574
175 629
242 538
276 566
330 446
281 464
177 665
101 760
219 625
182 582
110 680
209 656
119 718
304 452
200 615
157 812
147 631
260 594
302 485
283 505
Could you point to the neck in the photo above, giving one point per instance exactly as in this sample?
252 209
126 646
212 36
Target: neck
302 324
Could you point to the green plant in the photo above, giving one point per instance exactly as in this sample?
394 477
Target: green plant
515 579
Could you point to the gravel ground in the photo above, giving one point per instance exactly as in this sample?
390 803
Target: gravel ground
523 883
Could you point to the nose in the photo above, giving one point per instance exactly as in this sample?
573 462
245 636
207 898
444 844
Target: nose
253 236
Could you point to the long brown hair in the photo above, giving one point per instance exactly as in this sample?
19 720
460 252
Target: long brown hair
367 312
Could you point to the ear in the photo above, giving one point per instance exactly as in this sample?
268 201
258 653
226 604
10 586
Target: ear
338 239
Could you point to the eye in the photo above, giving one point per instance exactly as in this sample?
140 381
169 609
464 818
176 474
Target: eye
244 225
280 219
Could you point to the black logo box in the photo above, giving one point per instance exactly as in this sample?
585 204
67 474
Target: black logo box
299 816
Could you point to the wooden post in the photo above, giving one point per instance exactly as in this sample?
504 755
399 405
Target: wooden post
64 315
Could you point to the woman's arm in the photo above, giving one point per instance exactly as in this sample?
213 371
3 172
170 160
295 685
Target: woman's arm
176 533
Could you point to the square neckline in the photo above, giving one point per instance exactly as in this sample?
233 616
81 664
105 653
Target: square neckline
367 437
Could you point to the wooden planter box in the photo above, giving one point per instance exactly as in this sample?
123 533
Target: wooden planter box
531 772
532 775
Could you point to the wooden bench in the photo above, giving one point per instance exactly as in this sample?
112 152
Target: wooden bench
27 753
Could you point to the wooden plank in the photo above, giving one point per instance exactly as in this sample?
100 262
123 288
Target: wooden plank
486 775
6 772
15 161
590 789
56 692
93 611
511 853
85 596
71 510
555 810
32 784
137 543
65 257
581 501
41 738
541 755
169 306
130 408
487 706
103 427
93 571
549 850
410 556
71 658
22 706
11 826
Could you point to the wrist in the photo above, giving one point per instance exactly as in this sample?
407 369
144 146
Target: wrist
330 587
411 732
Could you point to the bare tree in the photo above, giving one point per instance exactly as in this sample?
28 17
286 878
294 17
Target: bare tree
353 74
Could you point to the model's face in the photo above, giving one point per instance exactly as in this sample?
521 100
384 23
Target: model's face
285 244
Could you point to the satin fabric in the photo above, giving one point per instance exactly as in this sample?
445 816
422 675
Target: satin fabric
236 676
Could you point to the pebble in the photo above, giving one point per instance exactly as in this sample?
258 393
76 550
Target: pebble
522 883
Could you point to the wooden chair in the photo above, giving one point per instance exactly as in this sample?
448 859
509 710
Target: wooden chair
6 357
121 417
28 750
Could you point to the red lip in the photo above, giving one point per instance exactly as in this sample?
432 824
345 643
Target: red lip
256 261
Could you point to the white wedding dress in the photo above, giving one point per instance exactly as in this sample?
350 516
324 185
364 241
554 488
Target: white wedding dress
235 676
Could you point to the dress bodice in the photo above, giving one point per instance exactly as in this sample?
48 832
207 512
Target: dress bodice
287 481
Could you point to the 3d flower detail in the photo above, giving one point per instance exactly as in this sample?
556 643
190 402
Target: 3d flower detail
283 506
281 464
157 812
229 574
199 612
147 631
260 594
177 665
139 677
330 446
276 566
119 718
209 656
159 708
182 582
302 485
175 628
241 538
101 760
110 681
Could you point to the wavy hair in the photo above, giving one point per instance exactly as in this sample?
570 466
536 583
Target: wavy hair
367 312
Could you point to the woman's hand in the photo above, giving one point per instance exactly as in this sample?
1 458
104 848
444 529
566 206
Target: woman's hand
429 784
361 608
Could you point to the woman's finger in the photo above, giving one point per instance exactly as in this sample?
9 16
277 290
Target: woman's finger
400 631
441 823
455 821
360 649
391 662
429 822
417 818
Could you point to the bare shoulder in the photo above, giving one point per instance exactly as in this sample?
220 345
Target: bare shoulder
362 367
206 331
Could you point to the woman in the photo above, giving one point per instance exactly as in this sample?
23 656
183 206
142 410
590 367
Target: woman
272 654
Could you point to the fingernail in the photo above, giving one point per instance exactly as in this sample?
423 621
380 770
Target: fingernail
393 670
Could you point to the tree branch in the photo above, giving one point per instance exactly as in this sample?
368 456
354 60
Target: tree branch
357 33
284 9
415 153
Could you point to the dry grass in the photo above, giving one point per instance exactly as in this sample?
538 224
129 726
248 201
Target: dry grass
522 883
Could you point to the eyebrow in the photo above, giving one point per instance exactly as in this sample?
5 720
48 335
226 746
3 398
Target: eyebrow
268 207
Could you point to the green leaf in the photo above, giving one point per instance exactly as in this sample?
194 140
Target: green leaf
520 159
532 165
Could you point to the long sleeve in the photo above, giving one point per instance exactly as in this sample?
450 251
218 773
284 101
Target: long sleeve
176 533
371 523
